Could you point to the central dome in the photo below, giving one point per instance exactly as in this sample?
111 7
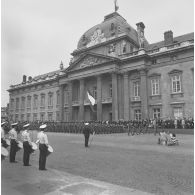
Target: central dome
113 25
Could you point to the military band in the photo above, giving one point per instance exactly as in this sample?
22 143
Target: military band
27 145
14 143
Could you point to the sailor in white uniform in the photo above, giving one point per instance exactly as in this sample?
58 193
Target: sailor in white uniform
26 145
43 147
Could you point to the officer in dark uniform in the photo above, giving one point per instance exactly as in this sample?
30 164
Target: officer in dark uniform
86 132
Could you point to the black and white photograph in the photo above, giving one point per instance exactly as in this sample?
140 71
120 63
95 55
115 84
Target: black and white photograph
97 97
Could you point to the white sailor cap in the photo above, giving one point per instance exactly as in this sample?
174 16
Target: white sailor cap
3 123
27 125
14 124
86 123
43 126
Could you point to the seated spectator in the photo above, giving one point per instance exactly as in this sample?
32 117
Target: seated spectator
172 140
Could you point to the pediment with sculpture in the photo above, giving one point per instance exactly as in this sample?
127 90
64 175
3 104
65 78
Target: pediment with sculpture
89 60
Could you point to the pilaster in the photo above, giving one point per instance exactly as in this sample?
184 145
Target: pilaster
126 96
114 97
70 99
99 98
143 93
81 100
61 91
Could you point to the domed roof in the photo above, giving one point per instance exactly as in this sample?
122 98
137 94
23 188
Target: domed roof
113 25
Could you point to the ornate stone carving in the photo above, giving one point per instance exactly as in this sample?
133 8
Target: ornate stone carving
96 38
91 61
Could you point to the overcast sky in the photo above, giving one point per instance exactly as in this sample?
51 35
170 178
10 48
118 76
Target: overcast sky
37 34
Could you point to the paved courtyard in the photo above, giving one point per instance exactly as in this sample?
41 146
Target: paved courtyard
113 164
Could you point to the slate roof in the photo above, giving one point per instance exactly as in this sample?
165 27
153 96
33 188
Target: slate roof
178 39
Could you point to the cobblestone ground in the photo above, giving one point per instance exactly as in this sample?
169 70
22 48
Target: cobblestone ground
131 161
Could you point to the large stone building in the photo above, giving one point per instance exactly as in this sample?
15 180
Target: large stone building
128 77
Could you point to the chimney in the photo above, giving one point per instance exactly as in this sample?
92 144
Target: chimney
168 37
24 79
29 78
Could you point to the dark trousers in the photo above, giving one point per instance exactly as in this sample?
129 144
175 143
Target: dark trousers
13 150
86 140
3 143
42 156
27 152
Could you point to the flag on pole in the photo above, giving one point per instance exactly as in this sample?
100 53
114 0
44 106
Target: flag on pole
91 98
92 101
116 5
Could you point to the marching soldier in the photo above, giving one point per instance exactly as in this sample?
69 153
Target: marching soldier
86 132
26 145
43 147
14 143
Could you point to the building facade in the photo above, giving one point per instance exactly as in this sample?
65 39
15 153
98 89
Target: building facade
128 77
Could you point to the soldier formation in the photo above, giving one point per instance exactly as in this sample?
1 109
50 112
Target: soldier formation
106 127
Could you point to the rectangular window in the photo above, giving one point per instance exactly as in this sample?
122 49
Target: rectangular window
50 99
176 84
50 116
57 116
178 112
66 114
16 117
35 102
12 104
35 117
29 102
42 117
66 94
17 103
155 86
22 117
23 103
137 114
136 89
156 113
42 100
28 117
58 98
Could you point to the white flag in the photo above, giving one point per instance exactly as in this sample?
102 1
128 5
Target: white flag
91 99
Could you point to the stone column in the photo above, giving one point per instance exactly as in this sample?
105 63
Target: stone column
99 98
61 93
143 93
114 97
126 96
81 100
70 100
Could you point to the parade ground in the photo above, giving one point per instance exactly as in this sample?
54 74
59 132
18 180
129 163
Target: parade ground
113 164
